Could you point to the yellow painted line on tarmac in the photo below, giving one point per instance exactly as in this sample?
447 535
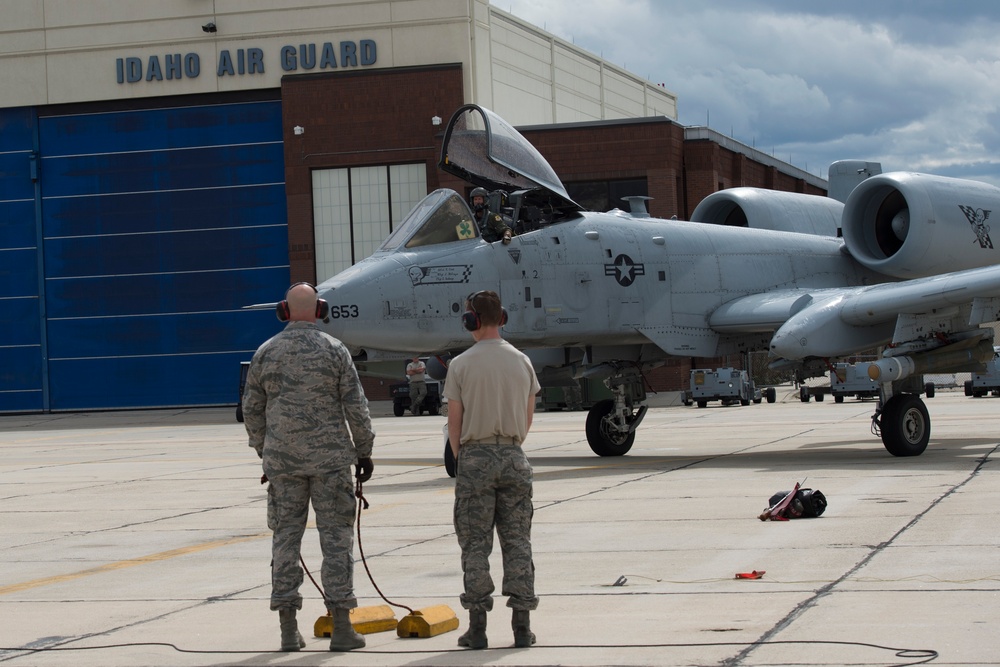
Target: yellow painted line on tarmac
122 564
152 558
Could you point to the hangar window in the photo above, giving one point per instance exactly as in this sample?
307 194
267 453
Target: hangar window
355 209
606 195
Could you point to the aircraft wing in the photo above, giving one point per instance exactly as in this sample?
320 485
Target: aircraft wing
840 321
883 302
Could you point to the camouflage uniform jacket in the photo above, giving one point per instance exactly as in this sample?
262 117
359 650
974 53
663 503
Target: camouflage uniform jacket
491 226
302 393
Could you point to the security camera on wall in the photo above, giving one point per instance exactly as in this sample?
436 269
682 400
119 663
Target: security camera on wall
209 27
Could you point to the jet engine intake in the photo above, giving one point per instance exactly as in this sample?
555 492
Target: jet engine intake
909 225
770 209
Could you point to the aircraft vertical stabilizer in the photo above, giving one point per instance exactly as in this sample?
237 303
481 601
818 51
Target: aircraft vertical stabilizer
845 175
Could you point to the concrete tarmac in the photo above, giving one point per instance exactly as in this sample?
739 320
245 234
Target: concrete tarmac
139 538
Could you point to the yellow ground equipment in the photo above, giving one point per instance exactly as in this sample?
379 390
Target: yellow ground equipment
427 622
419 623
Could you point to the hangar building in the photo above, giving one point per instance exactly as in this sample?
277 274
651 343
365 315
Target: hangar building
164 163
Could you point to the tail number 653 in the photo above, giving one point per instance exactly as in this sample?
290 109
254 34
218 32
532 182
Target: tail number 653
343 312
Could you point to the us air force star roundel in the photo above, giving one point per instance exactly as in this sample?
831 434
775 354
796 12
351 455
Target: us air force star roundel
624 270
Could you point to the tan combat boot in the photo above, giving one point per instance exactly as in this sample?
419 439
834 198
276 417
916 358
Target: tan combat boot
520 621
344 638
291 640
475 636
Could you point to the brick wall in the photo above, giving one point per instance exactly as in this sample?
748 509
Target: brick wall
648 148
359 118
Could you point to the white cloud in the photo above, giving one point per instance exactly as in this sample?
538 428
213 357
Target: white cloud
912 84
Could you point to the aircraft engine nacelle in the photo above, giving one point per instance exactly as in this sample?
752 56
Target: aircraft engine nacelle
909 225
437 366
770 209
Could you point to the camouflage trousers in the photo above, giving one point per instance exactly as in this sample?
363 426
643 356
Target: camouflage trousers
333 501
418 390
493 490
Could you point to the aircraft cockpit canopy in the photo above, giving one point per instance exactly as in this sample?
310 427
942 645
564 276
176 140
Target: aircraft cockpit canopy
440 217
484 149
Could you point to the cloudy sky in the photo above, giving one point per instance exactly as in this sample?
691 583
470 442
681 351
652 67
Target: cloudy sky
913 84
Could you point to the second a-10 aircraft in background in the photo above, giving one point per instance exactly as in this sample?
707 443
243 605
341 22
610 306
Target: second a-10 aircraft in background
608 296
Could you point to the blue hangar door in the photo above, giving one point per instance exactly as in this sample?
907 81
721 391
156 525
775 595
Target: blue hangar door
157 226
21 349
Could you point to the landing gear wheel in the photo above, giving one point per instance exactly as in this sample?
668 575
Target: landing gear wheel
906 425
450 466
604 440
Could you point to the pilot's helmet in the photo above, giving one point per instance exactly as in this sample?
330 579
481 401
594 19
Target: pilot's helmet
478 192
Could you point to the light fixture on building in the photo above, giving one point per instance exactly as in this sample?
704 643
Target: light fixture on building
209 27
435 120
299 130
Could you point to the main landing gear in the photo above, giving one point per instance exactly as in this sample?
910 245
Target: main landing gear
904 424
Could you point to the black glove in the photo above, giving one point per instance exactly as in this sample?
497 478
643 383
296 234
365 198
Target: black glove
365 469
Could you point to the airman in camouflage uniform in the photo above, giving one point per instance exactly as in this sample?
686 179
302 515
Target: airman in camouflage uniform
301 394
491 402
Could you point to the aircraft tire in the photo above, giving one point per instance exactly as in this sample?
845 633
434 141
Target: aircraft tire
906 425
450 466
601 440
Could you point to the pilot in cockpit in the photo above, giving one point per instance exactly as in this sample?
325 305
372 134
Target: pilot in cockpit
491 225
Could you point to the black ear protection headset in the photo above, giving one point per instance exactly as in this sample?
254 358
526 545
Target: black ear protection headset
284 314
470 318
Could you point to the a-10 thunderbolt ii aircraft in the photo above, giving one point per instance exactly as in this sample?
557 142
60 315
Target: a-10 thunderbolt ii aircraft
608 296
